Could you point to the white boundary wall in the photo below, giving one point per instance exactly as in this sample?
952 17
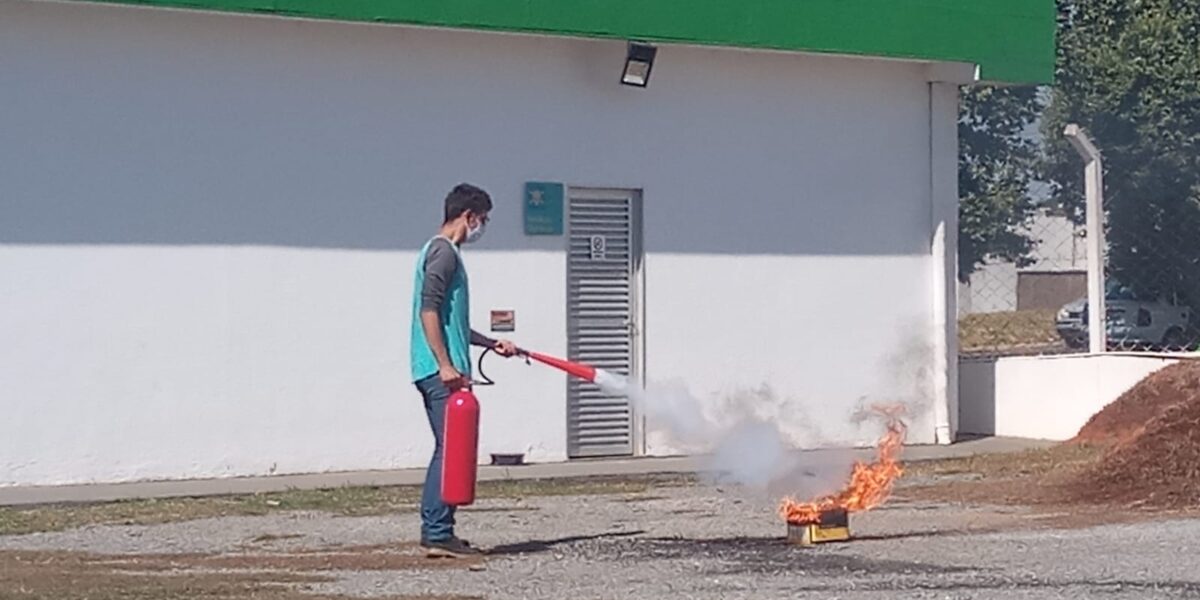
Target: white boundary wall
1045 397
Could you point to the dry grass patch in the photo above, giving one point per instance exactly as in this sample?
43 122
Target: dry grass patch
381 557
1036 462
1046 480
343 501
79 576
1011 331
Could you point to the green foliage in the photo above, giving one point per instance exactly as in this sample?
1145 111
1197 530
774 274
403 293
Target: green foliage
1129 73
997 160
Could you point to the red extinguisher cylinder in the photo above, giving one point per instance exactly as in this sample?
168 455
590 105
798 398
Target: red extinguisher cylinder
460 450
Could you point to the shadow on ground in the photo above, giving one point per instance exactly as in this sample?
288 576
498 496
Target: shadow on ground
774 554
535 546
736 554
905 535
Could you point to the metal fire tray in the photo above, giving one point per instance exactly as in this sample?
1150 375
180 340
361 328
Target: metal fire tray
832 526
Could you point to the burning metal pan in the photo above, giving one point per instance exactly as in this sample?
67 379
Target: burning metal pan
832 526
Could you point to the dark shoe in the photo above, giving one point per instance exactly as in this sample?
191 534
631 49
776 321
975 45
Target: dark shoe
463 540
449 548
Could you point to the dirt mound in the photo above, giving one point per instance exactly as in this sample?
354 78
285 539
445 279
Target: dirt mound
1158 467
1124 419
1155 432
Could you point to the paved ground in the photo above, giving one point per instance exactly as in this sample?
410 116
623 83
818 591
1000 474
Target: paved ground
257 485
699 542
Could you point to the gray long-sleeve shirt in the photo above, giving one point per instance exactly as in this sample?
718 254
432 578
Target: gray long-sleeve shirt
441 263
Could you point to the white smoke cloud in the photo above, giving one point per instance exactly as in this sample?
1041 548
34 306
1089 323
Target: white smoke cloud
752 437
742 438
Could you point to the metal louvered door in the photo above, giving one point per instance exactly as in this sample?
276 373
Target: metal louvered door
603 264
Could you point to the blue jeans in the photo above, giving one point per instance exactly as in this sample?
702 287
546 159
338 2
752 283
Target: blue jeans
437 517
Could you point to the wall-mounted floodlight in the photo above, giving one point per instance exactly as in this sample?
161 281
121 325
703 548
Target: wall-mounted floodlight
638 61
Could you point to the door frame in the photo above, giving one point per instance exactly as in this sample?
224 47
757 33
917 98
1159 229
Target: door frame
637 300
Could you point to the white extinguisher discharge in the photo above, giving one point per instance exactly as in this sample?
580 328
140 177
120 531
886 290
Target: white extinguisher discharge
611 383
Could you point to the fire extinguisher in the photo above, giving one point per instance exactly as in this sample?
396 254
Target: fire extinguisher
460 442
460 451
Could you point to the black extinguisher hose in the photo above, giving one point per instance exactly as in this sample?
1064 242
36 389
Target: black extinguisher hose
483 378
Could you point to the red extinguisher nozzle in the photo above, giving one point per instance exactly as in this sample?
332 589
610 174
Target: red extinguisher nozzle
579 370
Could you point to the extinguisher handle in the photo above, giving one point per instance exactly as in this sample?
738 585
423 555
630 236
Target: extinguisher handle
517 350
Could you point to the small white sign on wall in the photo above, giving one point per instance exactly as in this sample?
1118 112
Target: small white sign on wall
599 247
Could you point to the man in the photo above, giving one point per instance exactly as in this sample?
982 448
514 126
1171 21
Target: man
440 347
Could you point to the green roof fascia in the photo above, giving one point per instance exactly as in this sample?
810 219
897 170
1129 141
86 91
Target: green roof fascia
1012 41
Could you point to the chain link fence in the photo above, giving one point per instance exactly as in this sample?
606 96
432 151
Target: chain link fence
1152 285
1008 308
1152 272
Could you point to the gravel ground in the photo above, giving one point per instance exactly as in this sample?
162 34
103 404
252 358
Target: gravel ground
709 543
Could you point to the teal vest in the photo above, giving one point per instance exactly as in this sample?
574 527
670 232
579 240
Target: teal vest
455 319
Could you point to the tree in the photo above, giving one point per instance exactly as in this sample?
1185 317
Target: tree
1129 73
996 163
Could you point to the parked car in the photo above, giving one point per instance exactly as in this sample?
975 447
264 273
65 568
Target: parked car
1134 320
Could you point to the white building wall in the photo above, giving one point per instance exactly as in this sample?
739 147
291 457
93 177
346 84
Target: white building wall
208 225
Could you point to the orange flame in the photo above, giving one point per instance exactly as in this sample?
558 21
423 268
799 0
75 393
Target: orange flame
869 485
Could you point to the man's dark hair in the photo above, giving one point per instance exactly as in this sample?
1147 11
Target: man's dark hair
466 197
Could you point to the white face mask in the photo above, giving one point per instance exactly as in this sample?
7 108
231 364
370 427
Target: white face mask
474 233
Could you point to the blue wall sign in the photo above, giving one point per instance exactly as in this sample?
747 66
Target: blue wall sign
543 208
